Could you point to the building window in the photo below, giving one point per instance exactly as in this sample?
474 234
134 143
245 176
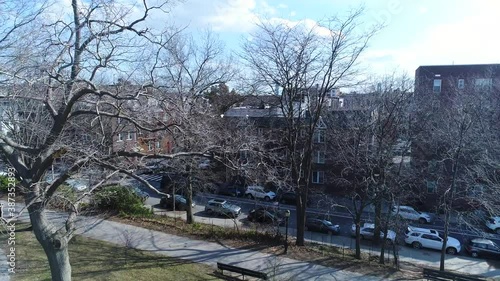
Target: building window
431 186
461 83
319 136
318 176
129 136
483 84
150 146
120 137
319 157
157 144
118 120
437 86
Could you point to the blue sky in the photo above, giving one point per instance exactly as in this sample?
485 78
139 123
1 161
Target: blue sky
420 32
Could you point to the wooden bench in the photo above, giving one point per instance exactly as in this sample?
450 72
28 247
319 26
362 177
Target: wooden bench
437 275
242 271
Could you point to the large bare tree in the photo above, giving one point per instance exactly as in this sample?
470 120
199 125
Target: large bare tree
305 63
65 107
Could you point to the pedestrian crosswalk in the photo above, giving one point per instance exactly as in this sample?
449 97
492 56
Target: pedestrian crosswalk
151 177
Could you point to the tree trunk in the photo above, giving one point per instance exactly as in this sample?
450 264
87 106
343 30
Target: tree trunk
357 221
189 200
445 237
378 214
54 243
301 217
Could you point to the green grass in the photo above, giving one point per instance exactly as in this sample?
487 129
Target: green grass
97 260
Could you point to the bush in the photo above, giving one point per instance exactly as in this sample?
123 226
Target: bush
121 200
4 183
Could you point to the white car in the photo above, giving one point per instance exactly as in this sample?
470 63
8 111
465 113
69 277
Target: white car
408 213
429 238
256 191
367 232
493 223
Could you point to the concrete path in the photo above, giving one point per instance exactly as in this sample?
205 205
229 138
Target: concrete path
279 268
211 253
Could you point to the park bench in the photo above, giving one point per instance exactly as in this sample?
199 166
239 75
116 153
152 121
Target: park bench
437 275
242 271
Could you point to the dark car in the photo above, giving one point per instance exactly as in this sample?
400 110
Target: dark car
231 190
289 198
480 247
180 202
321 225
264 215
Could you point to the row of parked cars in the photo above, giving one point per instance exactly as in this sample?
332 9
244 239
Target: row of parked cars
256 192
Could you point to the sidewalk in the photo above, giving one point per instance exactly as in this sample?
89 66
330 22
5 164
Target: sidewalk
211 253
278 268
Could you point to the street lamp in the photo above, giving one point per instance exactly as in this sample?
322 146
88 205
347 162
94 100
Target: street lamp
287 216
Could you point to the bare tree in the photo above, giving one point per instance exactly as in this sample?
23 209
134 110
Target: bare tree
305 64
457 147
64 102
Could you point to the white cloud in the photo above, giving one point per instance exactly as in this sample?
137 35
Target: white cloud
235 15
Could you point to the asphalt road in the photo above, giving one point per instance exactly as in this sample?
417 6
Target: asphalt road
423 256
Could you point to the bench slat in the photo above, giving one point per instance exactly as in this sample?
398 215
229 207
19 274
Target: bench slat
241 270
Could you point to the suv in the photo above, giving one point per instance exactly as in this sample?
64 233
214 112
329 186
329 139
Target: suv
256 191
430 238
289 198
493 223
408 213
180 202
322 226
367 231
264 215
222 207
483 247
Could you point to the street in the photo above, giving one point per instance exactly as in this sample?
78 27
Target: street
461 262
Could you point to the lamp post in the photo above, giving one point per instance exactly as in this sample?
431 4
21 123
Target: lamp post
287 216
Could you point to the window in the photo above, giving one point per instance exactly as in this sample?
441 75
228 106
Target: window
431 187
319 136
318 176
482 84
157 144
437 86
118 120
129 136
319 158
461 83
120 137
150 146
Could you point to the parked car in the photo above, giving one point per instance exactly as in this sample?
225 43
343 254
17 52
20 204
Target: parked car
480 247
141 193
408 213
231 190
288 198
222 207
264 215
428 238
321 225
78 184
493 224
258 192
180 202
367 232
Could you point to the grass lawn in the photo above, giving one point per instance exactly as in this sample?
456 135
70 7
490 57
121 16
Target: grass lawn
96 260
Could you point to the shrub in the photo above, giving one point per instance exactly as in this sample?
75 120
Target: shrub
121 200
4 183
